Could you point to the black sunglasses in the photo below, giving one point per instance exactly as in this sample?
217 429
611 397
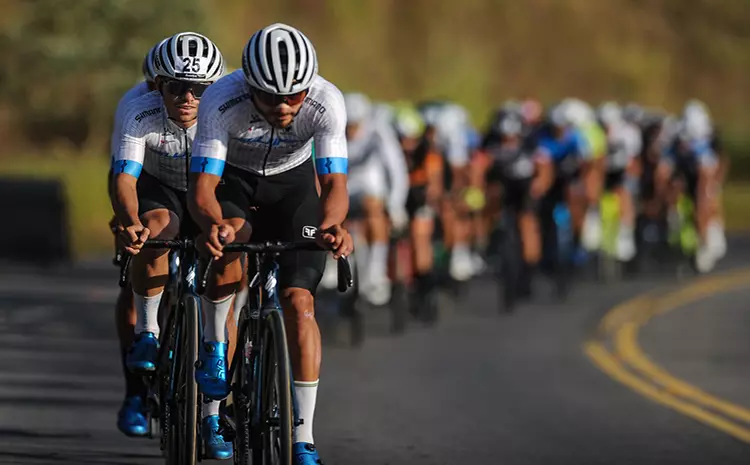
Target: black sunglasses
272 100
176 87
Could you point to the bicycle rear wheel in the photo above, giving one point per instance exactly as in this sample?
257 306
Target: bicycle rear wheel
186 391
511 263
276 420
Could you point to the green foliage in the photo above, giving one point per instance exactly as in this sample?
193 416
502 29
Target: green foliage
65 63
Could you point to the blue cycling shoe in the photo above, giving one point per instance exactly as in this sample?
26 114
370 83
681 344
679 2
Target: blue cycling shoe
210 372
304 453
131 419
141 357
213 439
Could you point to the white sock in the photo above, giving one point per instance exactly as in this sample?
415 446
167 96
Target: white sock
216 312
147 313
211 408
460 249
378 260
240 300
306 393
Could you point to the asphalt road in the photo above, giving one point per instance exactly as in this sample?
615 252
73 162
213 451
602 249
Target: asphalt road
479 388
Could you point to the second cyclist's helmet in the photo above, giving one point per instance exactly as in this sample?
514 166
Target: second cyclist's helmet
189 56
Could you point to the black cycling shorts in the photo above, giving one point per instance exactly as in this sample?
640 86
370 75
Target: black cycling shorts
416 200
614 179
517 196
154 195
285 207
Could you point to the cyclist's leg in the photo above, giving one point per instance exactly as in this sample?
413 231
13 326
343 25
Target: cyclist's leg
421 230
160 210
234 195
528 223
368 187
299 275
624 187
708 209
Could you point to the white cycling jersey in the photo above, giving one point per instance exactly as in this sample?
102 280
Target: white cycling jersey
231 130
153 142
451 123
624 142
377 166
135 92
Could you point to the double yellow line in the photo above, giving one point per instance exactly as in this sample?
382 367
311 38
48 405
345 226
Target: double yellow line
628 364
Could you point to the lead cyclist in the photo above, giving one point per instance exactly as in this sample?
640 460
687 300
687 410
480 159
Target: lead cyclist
130 420
254 148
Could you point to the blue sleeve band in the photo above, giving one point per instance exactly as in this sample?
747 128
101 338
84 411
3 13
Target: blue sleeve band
130 167
332 165
207 165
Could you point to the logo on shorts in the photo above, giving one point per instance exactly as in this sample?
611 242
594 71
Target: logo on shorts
309 232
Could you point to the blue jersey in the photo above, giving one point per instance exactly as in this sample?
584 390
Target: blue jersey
566 151
698 151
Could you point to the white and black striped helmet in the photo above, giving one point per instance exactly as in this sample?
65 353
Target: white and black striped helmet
280 60
149 73
189 56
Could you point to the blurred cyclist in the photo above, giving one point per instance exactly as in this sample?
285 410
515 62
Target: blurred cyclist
448 122
378 187
425 165
622 169
518 175
586 191
566 145
691 165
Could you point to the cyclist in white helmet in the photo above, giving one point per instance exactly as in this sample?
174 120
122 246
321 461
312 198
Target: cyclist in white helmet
691 163
586 190
378 186
129 420
450 122
150 170
254 148
623 149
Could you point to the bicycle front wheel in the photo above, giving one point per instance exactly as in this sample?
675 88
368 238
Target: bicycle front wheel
276 411
186 390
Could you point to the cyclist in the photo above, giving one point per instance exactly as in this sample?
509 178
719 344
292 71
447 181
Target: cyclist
150 183
425 165
378 186
566 145
622 168
254 148
518 175
585 195
449 122
129 418
691 161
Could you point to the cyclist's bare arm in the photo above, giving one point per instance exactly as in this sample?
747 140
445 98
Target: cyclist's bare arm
202 202
125 200
334 199
545 175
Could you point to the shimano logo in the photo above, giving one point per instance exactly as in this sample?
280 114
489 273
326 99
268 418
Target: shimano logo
308 232
153 111
230 103
317 105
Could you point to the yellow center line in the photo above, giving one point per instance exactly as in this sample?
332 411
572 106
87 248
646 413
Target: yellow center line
630 366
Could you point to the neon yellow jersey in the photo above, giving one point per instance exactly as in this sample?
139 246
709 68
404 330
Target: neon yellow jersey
596 138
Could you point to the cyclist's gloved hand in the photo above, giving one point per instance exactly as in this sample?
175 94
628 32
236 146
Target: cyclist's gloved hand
212 243
133 237
337 239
